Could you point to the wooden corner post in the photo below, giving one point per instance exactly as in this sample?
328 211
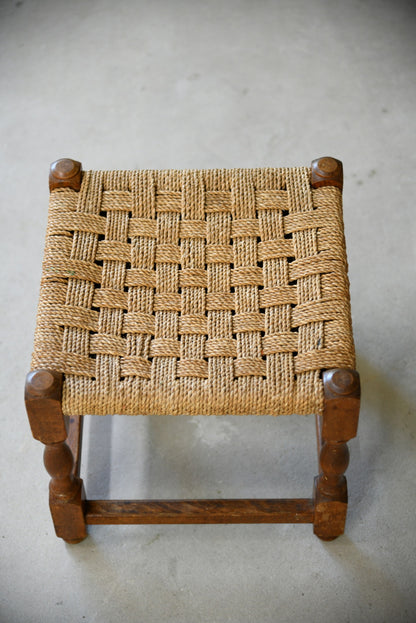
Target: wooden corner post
327 171
43 398
65 173
335 427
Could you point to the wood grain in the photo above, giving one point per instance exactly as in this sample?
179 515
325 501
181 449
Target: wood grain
199 511
327 171
334 428
74 440
65 173
43 392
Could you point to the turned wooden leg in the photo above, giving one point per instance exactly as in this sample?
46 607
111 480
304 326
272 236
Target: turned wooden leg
43 393
337 425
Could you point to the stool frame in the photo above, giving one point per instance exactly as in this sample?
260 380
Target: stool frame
62 436
72 512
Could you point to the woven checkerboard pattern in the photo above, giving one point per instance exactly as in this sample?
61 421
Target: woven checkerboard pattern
194 292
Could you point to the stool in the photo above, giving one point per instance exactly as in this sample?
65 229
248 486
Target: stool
194 292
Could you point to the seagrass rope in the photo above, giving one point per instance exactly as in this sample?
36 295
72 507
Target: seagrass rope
194 292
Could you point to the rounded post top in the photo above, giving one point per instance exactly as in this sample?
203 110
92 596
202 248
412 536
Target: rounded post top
326 171
65 173
65 168
41 383
342 381
327 165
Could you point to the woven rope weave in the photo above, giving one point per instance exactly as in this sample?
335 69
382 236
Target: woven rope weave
194 292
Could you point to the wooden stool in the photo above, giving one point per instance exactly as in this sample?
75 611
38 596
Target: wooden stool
194 292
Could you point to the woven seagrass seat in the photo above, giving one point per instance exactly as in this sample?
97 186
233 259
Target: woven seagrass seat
194 292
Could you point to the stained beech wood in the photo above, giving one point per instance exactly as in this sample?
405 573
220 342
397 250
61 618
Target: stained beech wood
43 393
342 404
74 440
319 424
199 511
327 171
71 512
68 514
65 173
43 398
330 513
337 425
59 463
66 493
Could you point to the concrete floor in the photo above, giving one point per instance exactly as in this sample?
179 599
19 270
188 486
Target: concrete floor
140 84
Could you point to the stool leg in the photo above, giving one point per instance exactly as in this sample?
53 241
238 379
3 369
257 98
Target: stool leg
43 397
337 425
330 494
65 493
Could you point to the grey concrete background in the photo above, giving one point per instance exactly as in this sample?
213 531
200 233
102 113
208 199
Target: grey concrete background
216 84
